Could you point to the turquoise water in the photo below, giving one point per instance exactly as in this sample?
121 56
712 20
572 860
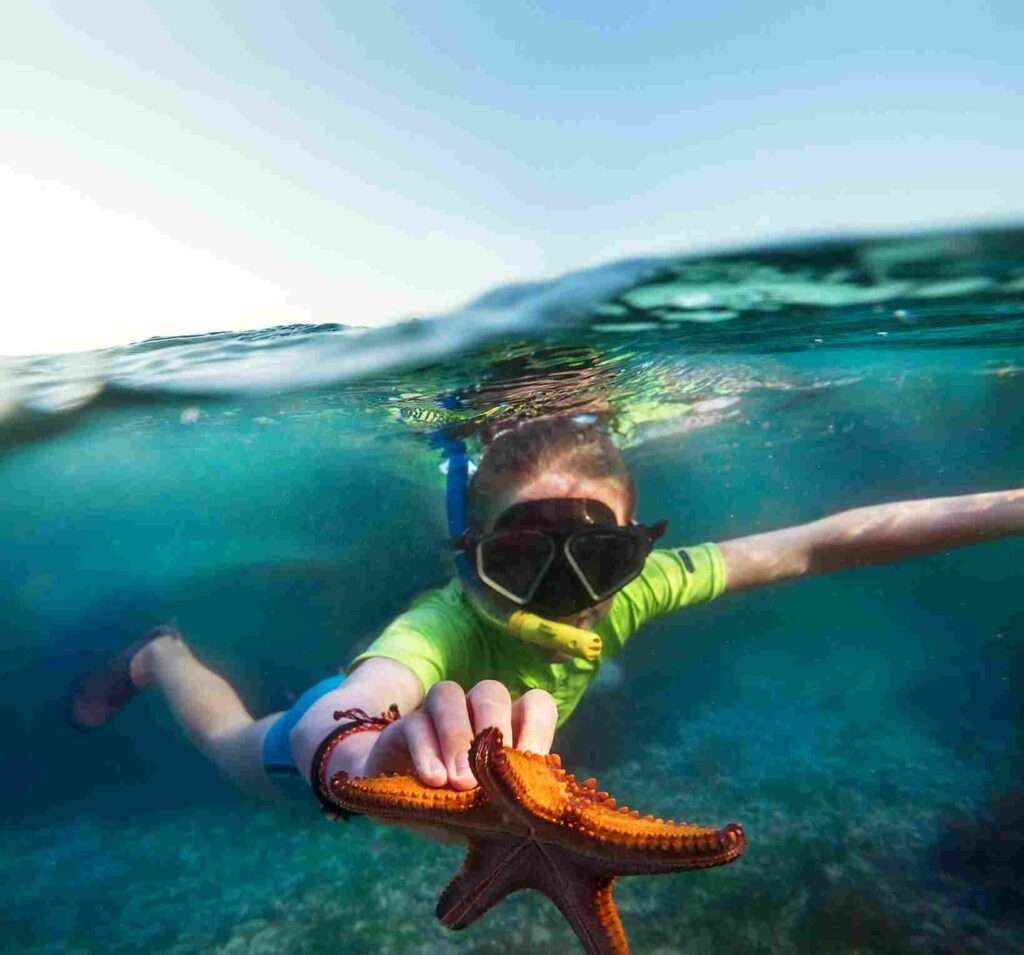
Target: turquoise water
278 496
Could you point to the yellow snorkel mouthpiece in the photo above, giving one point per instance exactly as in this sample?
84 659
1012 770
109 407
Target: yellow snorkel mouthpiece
555 636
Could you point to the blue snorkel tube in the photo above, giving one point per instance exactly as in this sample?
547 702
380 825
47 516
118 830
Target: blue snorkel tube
456 497
521 624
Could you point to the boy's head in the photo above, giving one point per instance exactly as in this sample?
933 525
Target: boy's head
551 460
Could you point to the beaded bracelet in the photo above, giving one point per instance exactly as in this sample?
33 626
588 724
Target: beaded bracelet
360 722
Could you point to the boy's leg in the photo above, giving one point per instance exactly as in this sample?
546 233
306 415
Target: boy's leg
207 708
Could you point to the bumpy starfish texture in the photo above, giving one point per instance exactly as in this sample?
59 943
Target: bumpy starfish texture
531 825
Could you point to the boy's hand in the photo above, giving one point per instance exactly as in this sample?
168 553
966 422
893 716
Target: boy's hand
433 740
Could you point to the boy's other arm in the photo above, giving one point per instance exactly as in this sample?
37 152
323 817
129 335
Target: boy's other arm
871 535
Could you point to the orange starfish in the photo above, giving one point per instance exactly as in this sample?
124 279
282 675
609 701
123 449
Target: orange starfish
531 825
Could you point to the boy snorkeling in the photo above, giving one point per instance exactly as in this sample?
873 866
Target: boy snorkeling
554 577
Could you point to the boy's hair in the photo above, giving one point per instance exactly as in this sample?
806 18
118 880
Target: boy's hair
532 447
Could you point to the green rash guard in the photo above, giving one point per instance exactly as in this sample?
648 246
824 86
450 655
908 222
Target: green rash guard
441 637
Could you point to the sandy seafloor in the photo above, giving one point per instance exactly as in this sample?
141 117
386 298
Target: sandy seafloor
839 861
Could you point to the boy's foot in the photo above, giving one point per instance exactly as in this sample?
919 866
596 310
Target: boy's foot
101 693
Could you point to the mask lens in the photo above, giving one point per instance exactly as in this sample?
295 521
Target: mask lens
607 559
514 561
560 593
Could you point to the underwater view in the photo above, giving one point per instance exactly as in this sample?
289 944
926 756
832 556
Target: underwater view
279 496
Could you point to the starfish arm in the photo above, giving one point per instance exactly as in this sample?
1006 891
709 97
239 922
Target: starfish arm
632 844
586 902
495 868
492 869
404 799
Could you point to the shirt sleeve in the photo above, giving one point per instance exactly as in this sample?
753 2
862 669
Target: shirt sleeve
672 578
430 638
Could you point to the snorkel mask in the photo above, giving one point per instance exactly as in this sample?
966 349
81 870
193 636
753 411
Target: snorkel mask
554 557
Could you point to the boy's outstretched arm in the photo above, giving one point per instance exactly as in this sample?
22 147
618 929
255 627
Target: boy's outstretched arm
872 535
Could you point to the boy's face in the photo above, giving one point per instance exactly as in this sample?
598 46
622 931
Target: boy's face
560 484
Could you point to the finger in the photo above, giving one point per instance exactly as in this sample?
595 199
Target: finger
424 749
534 718
390 753
491 705
409 745
446 707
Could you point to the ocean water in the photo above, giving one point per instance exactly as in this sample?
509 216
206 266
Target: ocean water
279 496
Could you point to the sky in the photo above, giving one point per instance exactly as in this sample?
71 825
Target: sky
172 168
